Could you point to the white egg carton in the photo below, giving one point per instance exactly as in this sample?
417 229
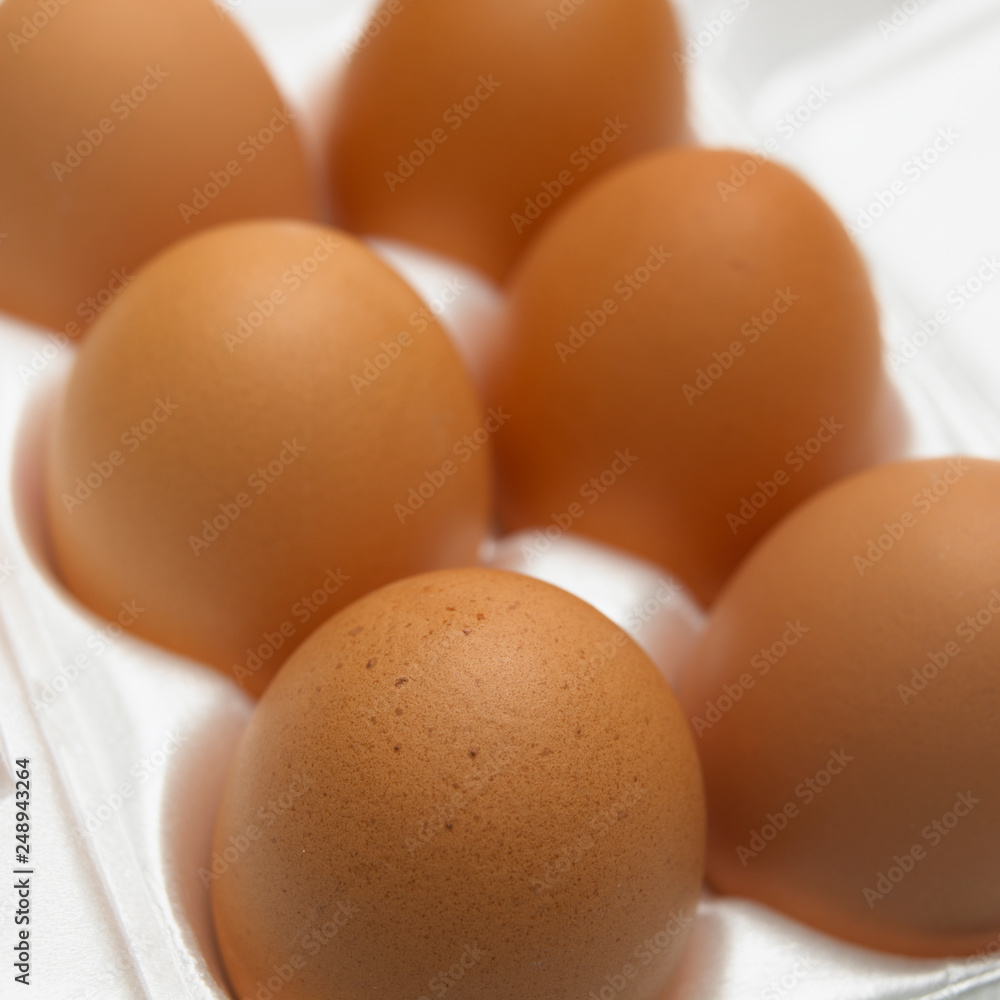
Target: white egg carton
891 109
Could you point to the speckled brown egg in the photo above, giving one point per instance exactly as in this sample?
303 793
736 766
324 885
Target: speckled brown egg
128 125
692 350
267 424
468 781
464 127
846 705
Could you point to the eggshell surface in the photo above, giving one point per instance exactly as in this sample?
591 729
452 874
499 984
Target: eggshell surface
129 125
846 703
687 361
480 774
266 424
464 127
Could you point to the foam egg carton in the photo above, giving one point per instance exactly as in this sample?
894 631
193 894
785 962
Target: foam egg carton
891 108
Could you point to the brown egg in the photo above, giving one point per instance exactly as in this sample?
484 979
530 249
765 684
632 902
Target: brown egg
128 125
686 361
846 700
467 779
463 126
264 426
